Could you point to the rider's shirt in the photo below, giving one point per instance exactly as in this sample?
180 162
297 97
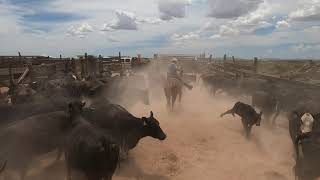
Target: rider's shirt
172 70
307 123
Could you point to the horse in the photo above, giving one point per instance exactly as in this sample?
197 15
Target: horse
172 88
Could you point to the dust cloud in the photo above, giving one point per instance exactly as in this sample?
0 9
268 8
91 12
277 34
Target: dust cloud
200 145
203 146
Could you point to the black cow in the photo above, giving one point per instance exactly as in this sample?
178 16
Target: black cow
307 159
11 113
89 150
295 122
249 116
24 140
307 163
126 128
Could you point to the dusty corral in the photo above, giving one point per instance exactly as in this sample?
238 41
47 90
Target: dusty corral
200 145
192 140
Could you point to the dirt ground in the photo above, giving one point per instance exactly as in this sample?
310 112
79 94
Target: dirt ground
200 145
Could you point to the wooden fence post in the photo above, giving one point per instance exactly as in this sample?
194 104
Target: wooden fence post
86 64
92 66
255 64
100 65
10 74
224 62
82 67
73 65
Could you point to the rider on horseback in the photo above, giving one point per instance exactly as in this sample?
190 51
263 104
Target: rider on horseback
173 70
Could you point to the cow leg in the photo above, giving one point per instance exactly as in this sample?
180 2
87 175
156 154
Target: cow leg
59 154
275 117
108 177
249 131
167 94
23 173
213 91
245 127
68 168
92 176
228 112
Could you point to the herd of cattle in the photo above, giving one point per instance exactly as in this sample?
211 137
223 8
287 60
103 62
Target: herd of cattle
274 98
82 120
93 135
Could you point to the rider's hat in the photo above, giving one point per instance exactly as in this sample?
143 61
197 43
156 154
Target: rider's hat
174 60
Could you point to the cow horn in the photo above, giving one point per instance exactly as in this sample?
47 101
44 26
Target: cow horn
151 114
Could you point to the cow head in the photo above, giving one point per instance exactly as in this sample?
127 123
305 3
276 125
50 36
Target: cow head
258 121
75 108
153 127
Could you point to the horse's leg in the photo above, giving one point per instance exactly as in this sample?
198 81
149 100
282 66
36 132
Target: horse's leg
167 94
174 97
245 127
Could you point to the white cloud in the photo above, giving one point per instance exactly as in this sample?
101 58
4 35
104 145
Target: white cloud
170 9
228 31
194 30
80 31
309 10
243 25
148 20
215 36
8 20
269 51
232 8
112 39
254 20
184 37
282 24
312 30
128 21
304 47
124 21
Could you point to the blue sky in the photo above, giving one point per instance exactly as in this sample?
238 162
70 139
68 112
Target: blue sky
243 28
